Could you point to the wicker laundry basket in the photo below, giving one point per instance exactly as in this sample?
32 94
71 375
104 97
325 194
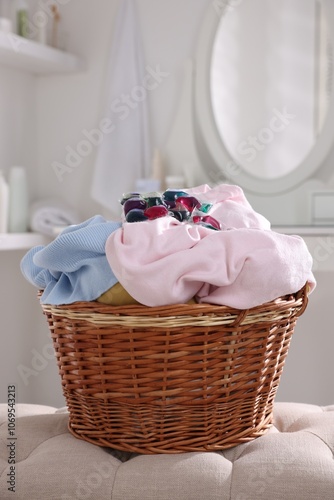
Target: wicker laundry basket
175 378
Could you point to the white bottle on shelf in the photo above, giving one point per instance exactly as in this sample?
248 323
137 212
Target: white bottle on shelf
4 203
158 169
6 25
41 21
18 200
175 182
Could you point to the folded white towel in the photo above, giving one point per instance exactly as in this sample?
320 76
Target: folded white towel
49 216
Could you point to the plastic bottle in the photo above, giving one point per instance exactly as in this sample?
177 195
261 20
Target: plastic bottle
147 185
175 181
4 203
18 200
6 25
156 182
22 18
41 22
158 169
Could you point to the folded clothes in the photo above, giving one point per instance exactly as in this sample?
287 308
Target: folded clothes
164 261
73 267
49 216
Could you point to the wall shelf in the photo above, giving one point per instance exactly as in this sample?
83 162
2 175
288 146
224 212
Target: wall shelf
35 58
21 241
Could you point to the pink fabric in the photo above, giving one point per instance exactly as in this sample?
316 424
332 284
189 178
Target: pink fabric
230 206
164 261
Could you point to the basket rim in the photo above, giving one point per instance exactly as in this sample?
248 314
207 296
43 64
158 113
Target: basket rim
177 315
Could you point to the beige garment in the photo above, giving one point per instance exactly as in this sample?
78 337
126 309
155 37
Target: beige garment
118 296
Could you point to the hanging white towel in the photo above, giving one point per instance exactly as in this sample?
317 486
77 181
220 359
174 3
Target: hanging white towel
125 153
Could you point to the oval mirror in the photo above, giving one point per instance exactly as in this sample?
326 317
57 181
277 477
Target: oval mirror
263 90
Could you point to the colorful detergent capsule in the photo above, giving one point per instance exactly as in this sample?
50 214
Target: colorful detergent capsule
208 226
170 204
180 215
172 194
188 202
197 219
151 194
132 203
126 196
153 201
207 220
205 207
135 215
156 211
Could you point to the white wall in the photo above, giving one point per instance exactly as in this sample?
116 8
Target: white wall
42 116
23 328
68 105
18 122
309 370
25 356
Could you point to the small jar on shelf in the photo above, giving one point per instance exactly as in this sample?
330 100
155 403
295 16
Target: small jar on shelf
18 200
4 203
6 24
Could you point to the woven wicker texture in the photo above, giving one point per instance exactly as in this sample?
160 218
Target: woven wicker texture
175 378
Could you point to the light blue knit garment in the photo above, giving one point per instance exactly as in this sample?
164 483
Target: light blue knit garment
74 266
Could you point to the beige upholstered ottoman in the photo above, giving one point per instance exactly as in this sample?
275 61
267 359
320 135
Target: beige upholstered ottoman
293 461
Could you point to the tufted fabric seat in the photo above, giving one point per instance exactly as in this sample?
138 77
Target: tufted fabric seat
293 461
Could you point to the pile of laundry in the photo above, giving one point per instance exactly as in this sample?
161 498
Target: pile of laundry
202 244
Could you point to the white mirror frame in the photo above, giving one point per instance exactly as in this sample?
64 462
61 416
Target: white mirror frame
208 129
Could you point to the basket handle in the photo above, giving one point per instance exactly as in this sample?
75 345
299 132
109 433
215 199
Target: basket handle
303 294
